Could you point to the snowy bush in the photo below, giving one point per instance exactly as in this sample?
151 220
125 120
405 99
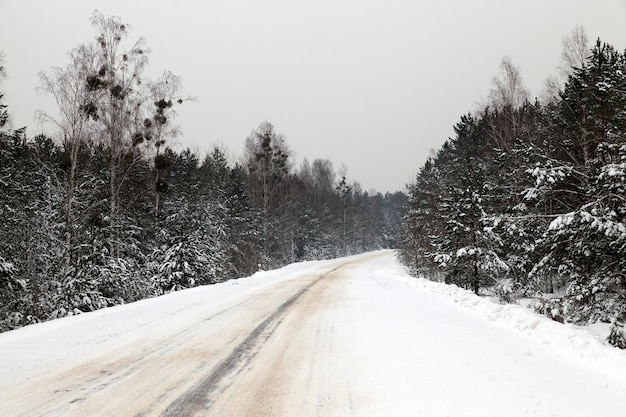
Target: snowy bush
549 307
175 271
504 290
616 335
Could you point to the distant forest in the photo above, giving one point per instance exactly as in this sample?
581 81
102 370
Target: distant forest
105 212
528 199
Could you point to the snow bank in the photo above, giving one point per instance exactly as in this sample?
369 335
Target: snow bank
582 343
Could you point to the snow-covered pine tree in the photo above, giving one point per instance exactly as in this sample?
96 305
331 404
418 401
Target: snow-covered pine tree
467 249
423 222
586 245
191 249
225 183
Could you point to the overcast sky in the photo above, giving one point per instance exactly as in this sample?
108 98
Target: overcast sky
372 84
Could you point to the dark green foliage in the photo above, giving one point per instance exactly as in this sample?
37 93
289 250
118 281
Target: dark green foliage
109 214
208 229
539 204
448 221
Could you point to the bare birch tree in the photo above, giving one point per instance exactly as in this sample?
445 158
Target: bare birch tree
115 82
4 114
574 53
508 87
74 123
267 158
159 127
506 97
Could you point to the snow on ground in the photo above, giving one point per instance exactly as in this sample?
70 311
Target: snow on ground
386 344
482 358
586 343
25 350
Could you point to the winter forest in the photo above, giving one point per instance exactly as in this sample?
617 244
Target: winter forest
104 211
529 198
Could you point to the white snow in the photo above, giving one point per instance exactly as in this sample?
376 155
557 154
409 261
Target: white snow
585 344
416 347
24 351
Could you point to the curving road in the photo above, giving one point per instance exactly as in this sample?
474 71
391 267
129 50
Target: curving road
335 338
236 358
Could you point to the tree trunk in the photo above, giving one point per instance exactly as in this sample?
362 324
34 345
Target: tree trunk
475 282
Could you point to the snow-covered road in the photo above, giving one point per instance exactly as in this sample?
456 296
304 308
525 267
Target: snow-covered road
349 337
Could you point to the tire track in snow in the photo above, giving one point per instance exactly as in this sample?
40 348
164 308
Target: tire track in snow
121 369
182 363
198 398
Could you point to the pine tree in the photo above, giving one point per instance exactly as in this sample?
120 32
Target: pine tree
241 239
423 223
586 243
468 248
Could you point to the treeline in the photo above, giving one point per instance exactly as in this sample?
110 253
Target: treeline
106 213
528 199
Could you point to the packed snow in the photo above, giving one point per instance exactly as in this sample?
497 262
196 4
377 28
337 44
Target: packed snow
386 344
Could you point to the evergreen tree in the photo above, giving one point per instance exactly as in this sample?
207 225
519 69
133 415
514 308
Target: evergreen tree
423 221
227 183
585 244
190 250
468 250
532 195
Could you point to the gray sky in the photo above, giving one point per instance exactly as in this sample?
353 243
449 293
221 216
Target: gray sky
372 84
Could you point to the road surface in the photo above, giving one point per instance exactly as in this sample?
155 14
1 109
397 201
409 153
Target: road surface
337 338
